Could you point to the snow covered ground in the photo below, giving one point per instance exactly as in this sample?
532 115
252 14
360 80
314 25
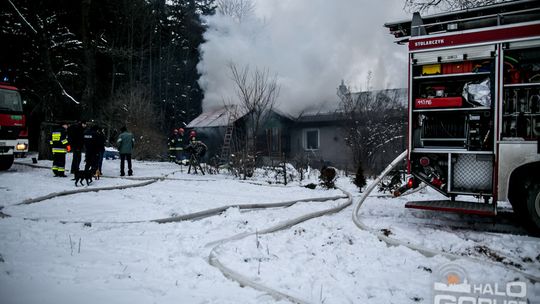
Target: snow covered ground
82 248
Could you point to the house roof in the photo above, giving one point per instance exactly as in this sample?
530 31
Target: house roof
320 117
222 117
215 118
335 113
327 112
398 95
283 114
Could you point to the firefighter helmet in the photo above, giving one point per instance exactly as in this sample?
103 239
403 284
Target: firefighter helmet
192 133
181 130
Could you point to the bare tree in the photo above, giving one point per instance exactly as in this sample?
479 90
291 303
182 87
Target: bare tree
445 5
131 107
257 93
236 9
373 119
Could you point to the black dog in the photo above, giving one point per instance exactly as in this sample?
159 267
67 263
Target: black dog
81 176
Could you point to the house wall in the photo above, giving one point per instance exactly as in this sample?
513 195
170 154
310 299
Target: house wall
213 137
332 147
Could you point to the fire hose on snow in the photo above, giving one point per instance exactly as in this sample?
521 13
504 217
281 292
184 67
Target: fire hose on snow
418 248
246 281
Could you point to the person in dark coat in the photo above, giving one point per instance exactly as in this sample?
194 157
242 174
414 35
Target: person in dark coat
76 140
92 149
125 143
59 145
101 149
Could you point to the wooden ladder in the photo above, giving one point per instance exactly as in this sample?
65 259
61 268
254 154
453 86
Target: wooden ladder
227 141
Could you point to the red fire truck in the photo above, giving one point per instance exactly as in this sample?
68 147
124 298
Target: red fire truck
474 107
13 131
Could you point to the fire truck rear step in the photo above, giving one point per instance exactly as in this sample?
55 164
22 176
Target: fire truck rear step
454 206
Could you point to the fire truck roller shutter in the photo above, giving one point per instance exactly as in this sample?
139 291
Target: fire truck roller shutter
524 44
450 55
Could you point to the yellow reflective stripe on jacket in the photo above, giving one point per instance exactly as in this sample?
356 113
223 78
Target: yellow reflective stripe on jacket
178 148
56 136
64 142
58 150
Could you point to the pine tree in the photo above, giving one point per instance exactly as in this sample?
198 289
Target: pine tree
359 179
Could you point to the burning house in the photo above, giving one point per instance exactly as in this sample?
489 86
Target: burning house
317 137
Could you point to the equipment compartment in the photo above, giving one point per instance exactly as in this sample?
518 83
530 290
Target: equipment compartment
440 130
453 111
431 168
521 104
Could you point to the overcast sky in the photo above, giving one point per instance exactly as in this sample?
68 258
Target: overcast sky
311 45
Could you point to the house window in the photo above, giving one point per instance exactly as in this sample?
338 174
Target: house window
311 139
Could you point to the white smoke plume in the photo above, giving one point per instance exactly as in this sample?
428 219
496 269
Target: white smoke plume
311 45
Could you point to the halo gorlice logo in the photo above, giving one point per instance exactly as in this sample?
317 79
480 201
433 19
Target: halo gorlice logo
452 286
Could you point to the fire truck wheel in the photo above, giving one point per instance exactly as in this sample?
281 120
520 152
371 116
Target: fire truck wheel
5 162
533 208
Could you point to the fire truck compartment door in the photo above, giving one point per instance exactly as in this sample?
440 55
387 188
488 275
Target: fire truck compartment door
460 54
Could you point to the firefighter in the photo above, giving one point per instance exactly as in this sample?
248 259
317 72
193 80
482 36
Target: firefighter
175 144
171 142
59 146
197 150
192 136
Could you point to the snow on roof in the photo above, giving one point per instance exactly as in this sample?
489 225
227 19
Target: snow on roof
215 118
220 117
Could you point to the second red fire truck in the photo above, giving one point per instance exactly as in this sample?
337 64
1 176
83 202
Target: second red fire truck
13 131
